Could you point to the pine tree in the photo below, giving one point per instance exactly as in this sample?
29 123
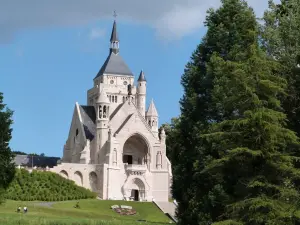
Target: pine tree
7 167
231 37
280 36
252 175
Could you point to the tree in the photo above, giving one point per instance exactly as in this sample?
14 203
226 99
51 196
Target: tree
7 167
172 133
19 153
280 36
226 27
251 175
221 103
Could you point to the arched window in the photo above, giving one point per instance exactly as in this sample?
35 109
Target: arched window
116 99
123 98
113 98
100 111
110 98
104 111
149 122
152 122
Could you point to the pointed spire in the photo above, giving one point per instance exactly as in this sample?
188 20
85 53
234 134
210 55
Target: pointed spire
142 76
103 97
114 34
114 39
152 110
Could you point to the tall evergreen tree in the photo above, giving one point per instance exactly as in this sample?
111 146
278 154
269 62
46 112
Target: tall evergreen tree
280 36
227 26
7 167
252 175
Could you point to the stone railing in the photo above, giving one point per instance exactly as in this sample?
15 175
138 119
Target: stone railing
136 168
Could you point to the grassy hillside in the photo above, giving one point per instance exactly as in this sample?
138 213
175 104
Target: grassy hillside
45 186
91 212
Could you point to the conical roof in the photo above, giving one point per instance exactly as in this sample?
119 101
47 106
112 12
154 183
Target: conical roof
142 76
152 110
103 97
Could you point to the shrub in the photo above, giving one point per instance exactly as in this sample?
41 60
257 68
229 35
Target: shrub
45 186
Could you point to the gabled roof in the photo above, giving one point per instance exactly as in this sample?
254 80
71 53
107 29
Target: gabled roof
114 65
125 121
88 116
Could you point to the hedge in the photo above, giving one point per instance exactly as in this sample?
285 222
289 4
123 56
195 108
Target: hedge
45 186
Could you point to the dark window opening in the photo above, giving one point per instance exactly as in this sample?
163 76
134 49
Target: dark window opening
127 159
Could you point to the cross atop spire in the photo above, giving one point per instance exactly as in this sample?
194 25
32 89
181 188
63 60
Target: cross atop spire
115 14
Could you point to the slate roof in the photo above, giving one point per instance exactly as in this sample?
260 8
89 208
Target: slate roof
38 161
88 116
114 34
115 65
142 76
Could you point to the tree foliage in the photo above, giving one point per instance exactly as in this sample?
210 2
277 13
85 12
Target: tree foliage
44 186
280 36
171 131
7 168
234 161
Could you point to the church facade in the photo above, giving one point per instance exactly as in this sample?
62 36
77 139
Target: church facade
114 147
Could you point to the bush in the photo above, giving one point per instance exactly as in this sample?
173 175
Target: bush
45 186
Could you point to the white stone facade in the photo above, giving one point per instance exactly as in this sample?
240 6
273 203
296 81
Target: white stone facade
113 146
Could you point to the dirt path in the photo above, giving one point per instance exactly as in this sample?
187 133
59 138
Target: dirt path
45 204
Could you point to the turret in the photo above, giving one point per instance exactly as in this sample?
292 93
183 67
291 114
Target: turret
152 118
102 119
141 93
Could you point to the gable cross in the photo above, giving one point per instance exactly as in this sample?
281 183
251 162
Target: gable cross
115 14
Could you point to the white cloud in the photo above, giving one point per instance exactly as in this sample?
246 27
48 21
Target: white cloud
171 18
96 33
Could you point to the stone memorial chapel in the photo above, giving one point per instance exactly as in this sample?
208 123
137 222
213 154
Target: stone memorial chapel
114 147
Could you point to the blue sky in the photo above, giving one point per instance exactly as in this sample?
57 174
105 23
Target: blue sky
46 67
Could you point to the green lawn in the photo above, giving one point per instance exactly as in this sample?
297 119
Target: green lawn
91 212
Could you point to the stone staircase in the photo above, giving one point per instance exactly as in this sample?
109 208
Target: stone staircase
168 208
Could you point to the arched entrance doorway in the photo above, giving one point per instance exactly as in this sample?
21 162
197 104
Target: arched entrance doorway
136 150
135 189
